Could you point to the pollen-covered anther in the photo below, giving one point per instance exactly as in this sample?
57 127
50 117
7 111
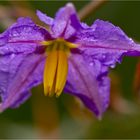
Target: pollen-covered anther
56 67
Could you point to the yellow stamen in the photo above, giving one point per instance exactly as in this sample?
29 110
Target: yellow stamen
62 71
71 45
56 67
46 43
49 72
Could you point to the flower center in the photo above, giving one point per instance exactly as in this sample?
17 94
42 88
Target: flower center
56 66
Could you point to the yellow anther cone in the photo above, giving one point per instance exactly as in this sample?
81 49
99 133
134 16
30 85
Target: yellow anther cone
50 72
55 72
56 67
62 71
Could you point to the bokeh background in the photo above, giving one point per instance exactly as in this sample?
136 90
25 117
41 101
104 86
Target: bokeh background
65 117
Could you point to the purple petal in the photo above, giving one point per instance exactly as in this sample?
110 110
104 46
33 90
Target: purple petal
107 43
22 98
44 18
75 22
23 36
61 26
87 80
19 74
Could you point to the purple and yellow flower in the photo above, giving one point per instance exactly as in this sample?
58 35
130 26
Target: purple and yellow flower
71 57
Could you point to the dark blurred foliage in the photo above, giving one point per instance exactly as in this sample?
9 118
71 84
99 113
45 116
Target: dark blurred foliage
66 117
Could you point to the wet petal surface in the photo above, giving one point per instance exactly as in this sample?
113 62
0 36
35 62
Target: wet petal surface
106 42
87 80
19 74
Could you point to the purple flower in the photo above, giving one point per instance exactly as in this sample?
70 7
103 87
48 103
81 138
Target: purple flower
71 56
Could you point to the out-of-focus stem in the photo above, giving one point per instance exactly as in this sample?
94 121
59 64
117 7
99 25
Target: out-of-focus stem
45 115
5 16
24 9
90 8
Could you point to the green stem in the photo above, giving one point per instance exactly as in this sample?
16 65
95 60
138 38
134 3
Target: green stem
91 7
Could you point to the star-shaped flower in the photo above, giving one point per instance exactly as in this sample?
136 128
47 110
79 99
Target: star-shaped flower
71 57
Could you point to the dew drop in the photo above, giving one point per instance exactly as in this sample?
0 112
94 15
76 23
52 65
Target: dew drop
103 56
91 63
12 56
112 66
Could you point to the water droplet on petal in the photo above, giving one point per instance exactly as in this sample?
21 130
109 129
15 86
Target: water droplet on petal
91 63
112 66
12 56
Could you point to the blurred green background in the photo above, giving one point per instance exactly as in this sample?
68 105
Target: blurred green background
65 117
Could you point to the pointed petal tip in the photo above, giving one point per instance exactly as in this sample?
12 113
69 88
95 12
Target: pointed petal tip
70 5
37 12
44 18
99 117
